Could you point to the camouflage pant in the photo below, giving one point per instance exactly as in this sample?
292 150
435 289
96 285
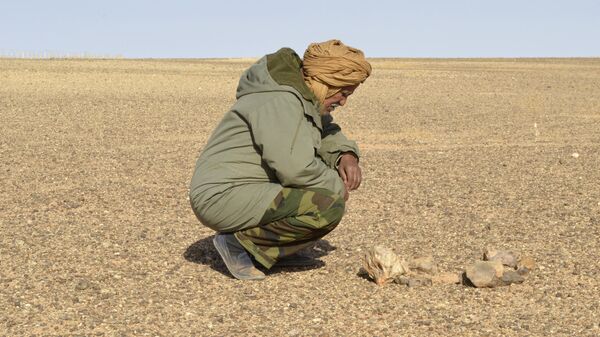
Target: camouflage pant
295 219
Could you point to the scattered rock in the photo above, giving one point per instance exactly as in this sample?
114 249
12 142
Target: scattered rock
446 278
424 264
401 280
294 333
485 274
70 204
525 265
383 265
105 294
505 257
499 268
413 281
83 284
362 272
512 276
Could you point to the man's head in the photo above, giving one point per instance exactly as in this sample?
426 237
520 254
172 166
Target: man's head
337 99
333 71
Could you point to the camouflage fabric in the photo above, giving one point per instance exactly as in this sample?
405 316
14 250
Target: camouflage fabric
295 219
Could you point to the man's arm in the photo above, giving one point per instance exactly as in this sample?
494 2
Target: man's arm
340 153
285 138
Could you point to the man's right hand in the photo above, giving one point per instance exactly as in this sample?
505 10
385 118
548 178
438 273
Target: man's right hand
350 171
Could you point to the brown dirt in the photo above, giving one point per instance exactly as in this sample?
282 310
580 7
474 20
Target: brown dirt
97 236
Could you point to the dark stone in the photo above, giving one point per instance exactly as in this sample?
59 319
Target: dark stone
511 276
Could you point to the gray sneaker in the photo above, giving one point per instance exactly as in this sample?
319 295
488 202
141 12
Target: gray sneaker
236 258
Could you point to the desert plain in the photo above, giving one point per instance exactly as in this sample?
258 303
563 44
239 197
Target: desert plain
97 237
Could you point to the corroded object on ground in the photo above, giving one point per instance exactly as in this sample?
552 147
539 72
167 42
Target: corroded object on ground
383 265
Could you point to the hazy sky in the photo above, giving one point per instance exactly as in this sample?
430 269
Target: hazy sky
221 28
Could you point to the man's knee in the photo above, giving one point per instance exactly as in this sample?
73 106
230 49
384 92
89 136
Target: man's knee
331 210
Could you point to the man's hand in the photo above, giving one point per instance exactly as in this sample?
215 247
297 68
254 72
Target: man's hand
350 171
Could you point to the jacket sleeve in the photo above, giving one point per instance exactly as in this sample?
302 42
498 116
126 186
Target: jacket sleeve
334 143
288 141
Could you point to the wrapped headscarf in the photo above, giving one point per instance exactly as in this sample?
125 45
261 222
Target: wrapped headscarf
329 66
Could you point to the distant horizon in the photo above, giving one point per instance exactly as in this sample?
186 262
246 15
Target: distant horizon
47 55
83 56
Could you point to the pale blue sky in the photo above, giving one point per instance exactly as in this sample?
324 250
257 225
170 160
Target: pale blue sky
221 28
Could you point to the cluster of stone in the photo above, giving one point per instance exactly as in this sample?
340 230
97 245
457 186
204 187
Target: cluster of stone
498 268
383 266
423 271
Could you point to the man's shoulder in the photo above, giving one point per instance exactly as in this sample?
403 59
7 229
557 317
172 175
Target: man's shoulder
274 100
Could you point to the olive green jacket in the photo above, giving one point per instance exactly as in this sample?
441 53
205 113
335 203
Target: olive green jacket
273 137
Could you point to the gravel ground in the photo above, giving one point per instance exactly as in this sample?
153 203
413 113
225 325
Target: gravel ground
97 237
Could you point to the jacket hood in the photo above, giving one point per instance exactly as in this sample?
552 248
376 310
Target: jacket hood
280 71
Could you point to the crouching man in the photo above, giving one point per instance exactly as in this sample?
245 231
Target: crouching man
276 172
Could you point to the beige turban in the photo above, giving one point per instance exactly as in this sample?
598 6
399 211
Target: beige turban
329 66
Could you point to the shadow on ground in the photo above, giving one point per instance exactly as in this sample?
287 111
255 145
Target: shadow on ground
203 252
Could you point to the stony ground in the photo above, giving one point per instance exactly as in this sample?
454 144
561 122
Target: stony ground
97 237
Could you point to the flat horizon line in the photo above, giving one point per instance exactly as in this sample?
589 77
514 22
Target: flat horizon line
256 58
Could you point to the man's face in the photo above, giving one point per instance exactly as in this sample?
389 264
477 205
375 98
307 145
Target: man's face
339 99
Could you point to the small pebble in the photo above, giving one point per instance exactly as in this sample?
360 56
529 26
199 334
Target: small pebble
525 265
413 281
511 276
82 285
446 278
424 264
